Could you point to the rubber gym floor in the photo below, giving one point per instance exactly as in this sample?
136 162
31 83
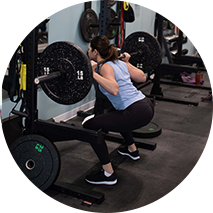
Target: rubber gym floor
185 131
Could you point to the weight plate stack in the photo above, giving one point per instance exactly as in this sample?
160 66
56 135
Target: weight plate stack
112 30
88 18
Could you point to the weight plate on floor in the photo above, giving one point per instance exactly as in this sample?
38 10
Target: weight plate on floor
150 49
149 131
206 11
5 38
38 159
76 79
111 30
87 18
111 3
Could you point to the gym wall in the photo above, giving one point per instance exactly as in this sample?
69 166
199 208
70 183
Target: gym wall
65 26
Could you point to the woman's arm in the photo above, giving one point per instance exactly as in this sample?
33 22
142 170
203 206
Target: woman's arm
107 79
136 74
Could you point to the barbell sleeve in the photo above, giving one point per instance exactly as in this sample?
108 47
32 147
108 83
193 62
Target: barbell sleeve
48 77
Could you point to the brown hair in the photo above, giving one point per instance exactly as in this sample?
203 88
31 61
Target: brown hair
18 5
102 45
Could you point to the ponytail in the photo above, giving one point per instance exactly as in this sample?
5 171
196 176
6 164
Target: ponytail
106 50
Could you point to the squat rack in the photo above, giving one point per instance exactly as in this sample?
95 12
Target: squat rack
56 132
165 69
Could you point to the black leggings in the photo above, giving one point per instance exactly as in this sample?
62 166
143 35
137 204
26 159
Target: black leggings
137 115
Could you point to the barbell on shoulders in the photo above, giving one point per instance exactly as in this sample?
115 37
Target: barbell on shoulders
62 73
65 72
131 54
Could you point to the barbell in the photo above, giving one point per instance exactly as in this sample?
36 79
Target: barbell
65 72
206 11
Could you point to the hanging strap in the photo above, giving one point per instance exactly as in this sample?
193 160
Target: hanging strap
23 76
126 4
120 35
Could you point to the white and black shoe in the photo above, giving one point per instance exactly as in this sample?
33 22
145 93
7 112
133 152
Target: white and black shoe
100 178
133 155
87 118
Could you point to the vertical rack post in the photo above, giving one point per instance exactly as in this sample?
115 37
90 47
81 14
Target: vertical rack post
160 29
30 45
103 17
156 89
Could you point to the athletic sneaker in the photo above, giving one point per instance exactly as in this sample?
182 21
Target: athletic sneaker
88 118
133 155
209 98
100 178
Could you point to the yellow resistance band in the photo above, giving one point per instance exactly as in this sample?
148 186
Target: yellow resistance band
126 5
23 76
